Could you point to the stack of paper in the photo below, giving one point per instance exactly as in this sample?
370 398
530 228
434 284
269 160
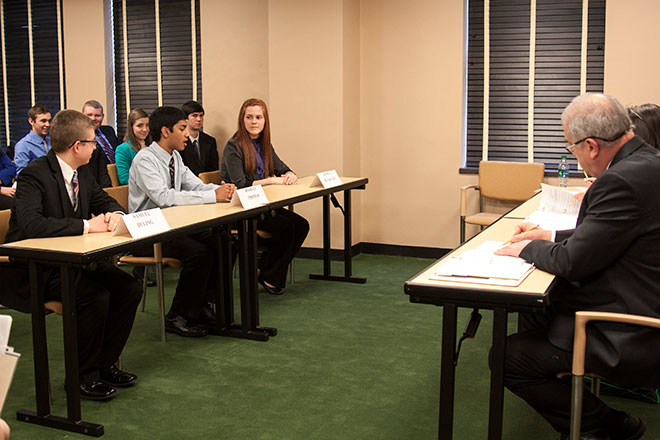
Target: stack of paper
558 209
482 266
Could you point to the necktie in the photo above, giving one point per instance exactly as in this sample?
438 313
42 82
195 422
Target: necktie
196 148
106 147
172 171
74 185
45 145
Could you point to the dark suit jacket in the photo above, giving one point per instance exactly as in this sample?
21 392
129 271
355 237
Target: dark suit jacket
611 262
110 135
233 166
208 155
99 163
43 209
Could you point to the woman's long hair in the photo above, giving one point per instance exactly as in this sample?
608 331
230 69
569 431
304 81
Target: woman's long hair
646 118
133 116
245 142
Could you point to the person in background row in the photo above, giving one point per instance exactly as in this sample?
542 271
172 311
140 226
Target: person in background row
646 118
7 176
250 159
37 142
136 138
107 141
201 152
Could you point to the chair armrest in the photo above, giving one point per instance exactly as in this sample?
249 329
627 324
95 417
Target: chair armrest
580 335
464 190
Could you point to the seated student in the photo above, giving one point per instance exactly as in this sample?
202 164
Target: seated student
201 152
37 142
106 141
57 196
7 175
250 159
158 178
136 138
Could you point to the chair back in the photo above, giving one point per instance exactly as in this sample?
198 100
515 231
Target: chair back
120 194
112 172
511 181
210 177
4 224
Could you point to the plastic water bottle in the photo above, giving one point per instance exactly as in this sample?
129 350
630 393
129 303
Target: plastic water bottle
562 172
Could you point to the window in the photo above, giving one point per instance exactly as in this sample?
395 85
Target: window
522 101
155 53
31 64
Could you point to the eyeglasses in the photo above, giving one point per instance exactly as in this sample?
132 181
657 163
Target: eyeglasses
571 147
94 143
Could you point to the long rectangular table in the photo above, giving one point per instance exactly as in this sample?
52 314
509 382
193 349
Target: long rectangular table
531 295
82 251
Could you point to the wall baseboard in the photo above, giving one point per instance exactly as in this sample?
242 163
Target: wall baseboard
375 249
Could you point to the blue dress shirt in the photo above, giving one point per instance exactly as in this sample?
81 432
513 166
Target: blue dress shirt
28 149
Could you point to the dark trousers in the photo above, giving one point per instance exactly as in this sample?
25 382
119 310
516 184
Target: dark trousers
199 276
288 231
106 301
6 202
530 372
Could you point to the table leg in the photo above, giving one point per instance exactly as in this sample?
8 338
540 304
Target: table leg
347 277
43 417
224 299
497 374
447 372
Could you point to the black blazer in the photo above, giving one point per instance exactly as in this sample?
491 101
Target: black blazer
233 166
43 209
98 162
611 262
110 135
208 155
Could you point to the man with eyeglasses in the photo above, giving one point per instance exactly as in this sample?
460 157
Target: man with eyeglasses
57 196
610 262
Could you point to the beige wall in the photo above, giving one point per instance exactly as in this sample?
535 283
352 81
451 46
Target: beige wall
84 53
367 87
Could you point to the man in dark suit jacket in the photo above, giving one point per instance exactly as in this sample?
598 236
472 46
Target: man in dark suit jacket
609 262
201 152
56 196
106 140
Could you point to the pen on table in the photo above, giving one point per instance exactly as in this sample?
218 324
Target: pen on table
530 229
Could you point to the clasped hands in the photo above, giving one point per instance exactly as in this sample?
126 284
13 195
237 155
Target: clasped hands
522 236
104 222
225 192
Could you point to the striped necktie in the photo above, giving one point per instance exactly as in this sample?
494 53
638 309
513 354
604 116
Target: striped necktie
105 146
196 145
172 171
74 185
45 144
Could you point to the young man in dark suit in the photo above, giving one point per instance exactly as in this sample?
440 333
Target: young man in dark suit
610 262
56 196
106 141
201 152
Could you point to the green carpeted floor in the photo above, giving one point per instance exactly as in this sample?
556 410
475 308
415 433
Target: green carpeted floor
350 361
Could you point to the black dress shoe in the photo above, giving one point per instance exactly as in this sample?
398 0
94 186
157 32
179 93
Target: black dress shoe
96 390
118 378
595 434
207 318
632 428
137 274
182 327
272 290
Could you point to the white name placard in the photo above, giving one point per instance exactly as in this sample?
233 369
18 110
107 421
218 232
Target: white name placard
327 179
143 223
249 197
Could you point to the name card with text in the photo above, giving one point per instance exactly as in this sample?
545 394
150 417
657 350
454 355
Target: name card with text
249 197
143 223
327 179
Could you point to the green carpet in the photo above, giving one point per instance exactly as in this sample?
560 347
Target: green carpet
350 361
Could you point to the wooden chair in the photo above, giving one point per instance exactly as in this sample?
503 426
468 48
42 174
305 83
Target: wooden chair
120 194
579 348
210 177
503 181
112 172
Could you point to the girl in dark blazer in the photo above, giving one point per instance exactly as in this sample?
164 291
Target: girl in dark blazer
249 159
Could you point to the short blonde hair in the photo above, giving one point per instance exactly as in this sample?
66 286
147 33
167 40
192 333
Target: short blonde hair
68 127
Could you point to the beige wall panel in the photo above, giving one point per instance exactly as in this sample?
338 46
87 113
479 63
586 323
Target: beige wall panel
306 94
631 42
234 36
84 52
411 106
